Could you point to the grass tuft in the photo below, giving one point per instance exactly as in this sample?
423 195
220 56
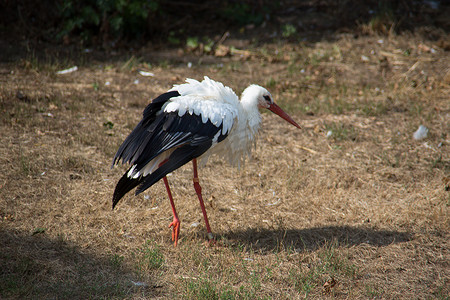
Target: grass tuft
202 288
312 273
373 292
341 132
116 260
149 257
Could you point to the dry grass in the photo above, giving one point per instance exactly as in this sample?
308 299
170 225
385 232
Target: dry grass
363 213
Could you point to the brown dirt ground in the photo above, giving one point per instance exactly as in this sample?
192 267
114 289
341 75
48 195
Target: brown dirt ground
363 213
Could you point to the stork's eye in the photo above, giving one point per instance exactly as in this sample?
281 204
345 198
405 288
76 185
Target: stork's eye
267 98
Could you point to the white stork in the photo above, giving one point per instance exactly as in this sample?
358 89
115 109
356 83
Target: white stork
192 120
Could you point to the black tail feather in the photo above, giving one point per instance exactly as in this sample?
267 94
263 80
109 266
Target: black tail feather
124 185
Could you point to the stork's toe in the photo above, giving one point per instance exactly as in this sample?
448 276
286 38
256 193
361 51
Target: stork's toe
175 230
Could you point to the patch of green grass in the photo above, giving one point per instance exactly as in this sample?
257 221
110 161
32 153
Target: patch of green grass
116 260
255 280
372 109
304 282
25 163
330 263
373 291
331 105
196 257
221 274
149 257
341 132
271 83
336 263
202 288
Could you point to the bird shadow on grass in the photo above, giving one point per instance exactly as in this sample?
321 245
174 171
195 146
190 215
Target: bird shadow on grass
39 267
315 238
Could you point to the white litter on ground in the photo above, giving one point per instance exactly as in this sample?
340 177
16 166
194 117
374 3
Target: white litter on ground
69 70
420 133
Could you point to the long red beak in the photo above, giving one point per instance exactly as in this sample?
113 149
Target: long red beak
277 110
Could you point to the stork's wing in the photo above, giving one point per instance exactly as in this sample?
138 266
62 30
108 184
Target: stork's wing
129 150
187 136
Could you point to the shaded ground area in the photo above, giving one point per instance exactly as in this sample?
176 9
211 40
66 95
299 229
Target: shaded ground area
351 206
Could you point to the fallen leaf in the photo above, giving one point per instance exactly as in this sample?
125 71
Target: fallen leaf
328 285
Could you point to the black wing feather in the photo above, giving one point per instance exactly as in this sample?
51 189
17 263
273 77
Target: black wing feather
124 185
140 134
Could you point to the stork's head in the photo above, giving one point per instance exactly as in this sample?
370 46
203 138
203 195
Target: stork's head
264 100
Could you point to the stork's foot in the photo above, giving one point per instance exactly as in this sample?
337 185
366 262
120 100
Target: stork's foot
175 230
211 241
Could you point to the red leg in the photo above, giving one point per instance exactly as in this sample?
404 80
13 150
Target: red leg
198 190
176 222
